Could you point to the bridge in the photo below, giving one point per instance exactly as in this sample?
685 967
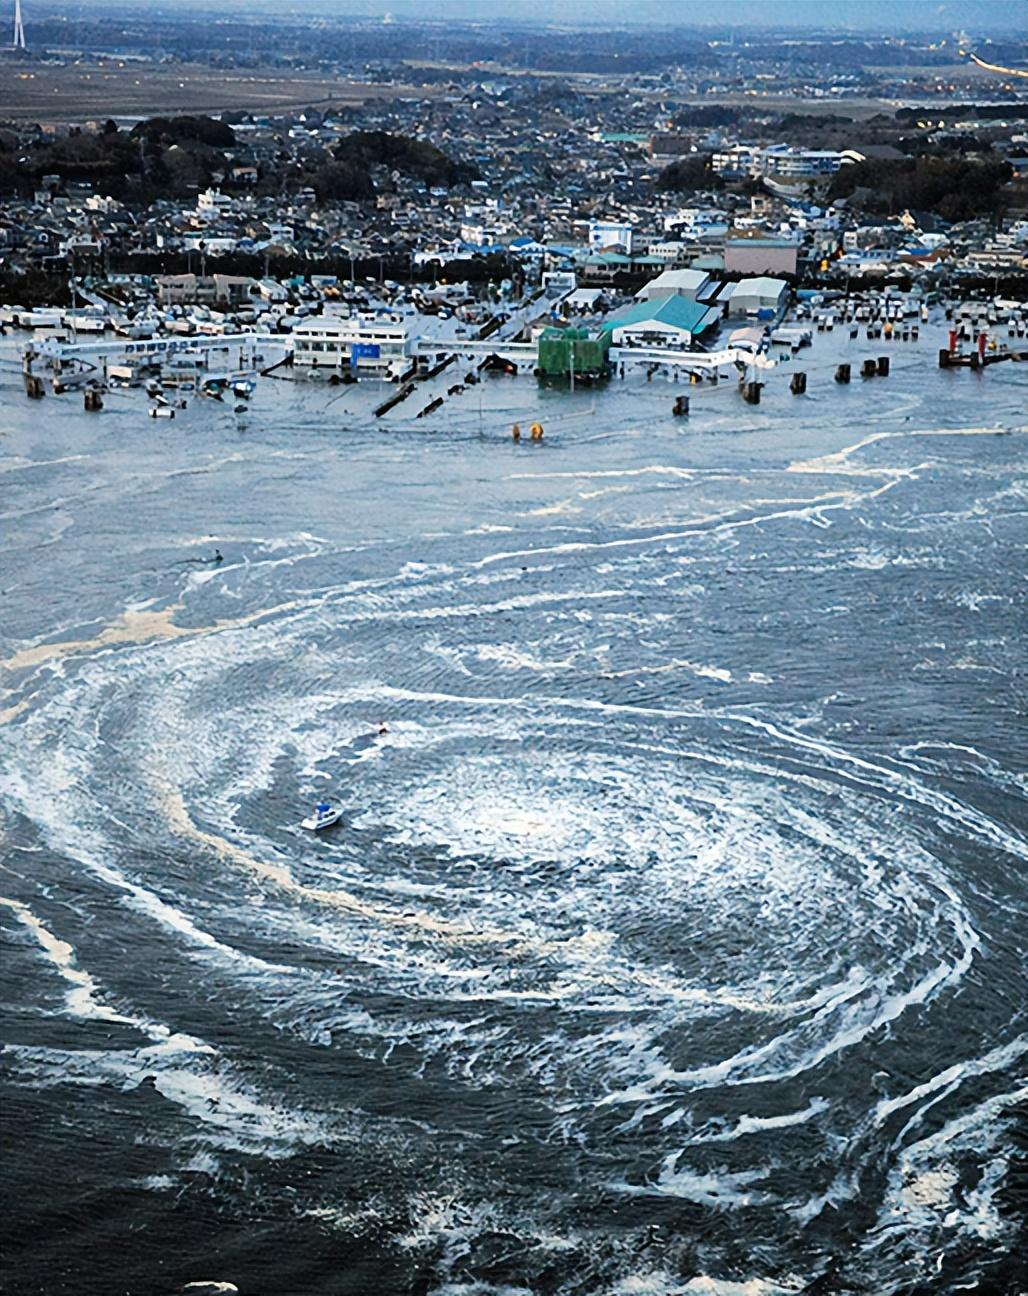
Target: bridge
690 361
524 354
996 67
518 353
83 359
74 363
53 349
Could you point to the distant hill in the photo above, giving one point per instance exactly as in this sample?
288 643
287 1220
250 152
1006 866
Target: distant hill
956 189
187 129
412 157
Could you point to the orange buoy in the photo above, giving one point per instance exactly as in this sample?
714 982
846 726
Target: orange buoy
536 431
515 433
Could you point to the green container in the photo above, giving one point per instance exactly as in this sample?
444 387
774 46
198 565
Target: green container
563 352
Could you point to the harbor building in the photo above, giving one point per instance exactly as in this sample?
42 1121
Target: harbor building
363 343
693 285
762 297
667 322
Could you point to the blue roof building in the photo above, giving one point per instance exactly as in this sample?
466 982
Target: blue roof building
667 321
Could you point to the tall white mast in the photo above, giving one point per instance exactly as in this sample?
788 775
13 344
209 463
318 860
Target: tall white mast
19 30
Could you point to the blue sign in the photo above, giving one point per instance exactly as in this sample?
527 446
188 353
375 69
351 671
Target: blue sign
365 351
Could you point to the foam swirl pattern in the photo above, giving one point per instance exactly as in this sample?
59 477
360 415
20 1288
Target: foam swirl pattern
675 930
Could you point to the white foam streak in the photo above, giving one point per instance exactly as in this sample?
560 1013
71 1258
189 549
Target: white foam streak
922 1193
224 1108
81 845
706 1286
996 1059
720 1188
82 998
839 460
748 1125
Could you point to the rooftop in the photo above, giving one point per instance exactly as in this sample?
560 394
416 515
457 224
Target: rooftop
762 284
679 312
678 280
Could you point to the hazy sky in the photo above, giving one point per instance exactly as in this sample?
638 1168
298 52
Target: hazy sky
866 15
870 16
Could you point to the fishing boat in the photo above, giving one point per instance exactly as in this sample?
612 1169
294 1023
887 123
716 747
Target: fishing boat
322 816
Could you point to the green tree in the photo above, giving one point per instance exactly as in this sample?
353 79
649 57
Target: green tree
689 174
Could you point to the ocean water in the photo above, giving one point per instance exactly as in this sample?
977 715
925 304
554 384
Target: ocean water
674 937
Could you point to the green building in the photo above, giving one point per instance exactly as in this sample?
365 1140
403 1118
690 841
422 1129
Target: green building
573 351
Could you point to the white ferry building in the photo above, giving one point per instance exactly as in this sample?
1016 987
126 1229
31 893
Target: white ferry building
364 342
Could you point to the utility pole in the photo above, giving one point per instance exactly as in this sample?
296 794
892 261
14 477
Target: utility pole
74 300
19 29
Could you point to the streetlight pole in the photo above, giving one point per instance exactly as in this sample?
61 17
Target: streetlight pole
74 299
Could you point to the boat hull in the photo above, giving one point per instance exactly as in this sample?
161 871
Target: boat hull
315 824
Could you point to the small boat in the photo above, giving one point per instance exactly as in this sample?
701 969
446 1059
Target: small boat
323 816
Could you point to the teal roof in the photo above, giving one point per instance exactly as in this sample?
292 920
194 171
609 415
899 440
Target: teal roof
679 312
619 258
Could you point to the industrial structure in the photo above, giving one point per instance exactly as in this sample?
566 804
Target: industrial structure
18 42
574 353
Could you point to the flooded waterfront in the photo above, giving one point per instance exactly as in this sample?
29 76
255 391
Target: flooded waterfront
674 936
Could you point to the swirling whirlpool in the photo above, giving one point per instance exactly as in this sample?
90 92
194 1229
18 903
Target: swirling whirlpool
596 965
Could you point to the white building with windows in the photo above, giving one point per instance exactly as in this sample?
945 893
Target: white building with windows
212 203
366 343
738 160
800 164
611 236
777 160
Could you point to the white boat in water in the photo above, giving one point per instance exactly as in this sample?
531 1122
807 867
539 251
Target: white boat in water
323 816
